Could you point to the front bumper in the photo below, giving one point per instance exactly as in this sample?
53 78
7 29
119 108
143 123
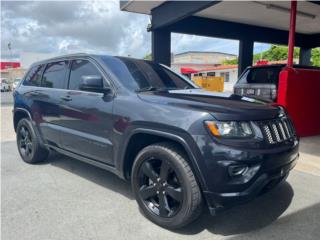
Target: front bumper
224 191
265 182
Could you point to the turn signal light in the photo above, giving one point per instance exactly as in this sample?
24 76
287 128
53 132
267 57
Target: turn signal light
213 128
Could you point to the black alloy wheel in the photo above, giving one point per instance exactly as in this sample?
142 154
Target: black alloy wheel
164 185
160 187
30 149
26 147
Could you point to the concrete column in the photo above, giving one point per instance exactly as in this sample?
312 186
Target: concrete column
305 56
245 55
161 46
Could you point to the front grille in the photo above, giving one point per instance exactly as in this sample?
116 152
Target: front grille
278 130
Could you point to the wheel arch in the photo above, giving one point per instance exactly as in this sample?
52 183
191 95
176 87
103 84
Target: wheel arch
151 136
18 114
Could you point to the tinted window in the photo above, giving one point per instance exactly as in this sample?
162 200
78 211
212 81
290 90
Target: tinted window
264 75
81 68
54 75
33 78
137 74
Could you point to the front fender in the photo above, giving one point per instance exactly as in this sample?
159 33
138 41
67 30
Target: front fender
181 137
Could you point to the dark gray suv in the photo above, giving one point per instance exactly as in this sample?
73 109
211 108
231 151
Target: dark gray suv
181 147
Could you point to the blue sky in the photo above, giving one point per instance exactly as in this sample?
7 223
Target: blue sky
182 42
89 26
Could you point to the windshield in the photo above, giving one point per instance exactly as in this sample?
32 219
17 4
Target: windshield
140 74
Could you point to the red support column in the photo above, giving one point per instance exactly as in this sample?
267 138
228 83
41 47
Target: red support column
293 14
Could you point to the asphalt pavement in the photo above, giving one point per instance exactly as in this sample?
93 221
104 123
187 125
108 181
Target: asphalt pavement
6 98
66 199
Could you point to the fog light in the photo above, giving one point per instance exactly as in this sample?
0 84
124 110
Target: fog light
237 170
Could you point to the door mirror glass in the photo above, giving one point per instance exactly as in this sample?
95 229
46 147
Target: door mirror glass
91 83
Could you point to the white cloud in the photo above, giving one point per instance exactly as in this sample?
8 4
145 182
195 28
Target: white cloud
88 26
182 43
64 27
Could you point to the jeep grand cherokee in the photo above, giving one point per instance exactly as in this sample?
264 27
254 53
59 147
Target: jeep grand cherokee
181 147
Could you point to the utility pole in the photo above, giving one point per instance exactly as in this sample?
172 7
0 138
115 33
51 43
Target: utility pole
9 47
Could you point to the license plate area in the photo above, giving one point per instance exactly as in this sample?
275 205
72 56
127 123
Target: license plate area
250 91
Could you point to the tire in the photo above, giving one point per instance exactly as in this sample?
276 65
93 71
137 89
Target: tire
28 143
165 187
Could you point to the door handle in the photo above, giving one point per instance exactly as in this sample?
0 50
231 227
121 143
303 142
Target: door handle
34 93
66 98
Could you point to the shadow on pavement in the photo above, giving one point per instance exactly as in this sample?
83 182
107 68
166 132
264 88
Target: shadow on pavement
94 174
245 218
241 219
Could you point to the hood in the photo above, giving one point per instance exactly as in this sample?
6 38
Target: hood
223 106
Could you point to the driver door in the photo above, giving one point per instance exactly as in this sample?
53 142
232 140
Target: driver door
87 116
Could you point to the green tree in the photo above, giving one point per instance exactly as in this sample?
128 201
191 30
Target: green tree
230 62
315 57
148 57
277 53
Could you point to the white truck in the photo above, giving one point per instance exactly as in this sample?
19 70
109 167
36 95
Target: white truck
4 85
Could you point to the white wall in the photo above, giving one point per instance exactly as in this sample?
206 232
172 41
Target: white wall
233 77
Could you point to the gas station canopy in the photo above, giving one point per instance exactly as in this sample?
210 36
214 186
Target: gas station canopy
268 14
248 22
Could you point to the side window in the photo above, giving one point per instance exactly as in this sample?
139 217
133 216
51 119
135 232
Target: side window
80 68
54 75
33 78
243 77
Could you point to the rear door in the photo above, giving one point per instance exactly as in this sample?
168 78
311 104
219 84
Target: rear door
48 100
87 117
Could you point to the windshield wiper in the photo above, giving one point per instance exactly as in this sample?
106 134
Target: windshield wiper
147 89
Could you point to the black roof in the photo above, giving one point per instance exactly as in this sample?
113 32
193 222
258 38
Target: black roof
66 56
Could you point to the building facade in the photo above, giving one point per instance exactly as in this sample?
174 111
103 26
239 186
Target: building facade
198 60
229 74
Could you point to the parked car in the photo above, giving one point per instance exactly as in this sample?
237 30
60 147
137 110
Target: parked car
16 83
4 85
181 147
261 81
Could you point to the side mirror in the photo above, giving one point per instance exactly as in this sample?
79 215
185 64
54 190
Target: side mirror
93 83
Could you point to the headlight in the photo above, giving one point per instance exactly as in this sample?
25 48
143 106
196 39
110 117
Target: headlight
230 129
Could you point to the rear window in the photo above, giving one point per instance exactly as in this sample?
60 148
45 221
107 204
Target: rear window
55 75
33 77
264 75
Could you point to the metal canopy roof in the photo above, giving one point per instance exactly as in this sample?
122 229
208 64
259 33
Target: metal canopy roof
246 21
268 14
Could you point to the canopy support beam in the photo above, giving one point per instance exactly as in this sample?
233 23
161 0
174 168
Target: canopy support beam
305 56
293 15
245 55
161 46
